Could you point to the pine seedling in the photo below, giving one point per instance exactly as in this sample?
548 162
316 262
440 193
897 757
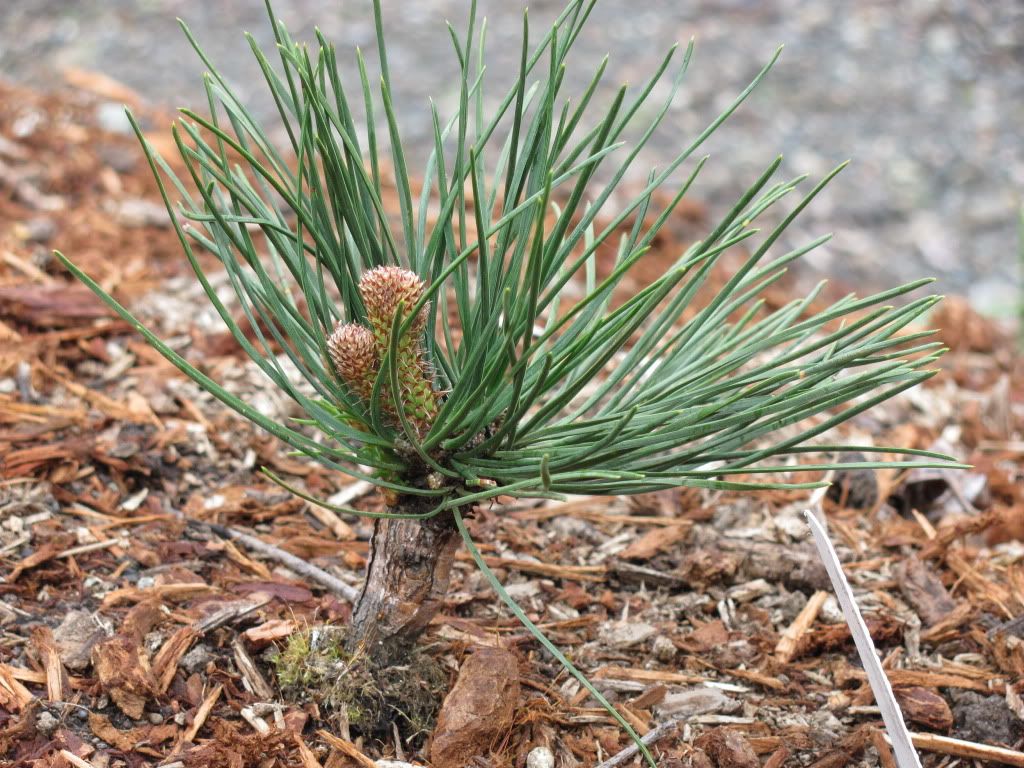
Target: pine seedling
450 356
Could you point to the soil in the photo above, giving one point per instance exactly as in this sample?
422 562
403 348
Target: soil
138 629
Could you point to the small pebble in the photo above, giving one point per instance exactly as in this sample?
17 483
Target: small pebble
46 723
39 229
540 757
664 649
830 611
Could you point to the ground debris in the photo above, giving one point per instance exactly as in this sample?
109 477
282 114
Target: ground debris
479 709
925 708
727 749
135 634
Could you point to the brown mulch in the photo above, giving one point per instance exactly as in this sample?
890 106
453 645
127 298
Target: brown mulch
135 632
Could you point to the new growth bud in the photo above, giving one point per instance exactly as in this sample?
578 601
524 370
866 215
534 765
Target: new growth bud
383 289
358 352
354 354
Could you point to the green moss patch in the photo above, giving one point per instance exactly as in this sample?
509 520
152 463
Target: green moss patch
313 665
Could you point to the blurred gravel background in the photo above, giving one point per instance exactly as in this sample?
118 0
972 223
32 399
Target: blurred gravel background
926 97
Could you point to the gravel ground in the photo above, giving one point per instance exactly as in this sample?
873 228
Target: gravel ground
926 97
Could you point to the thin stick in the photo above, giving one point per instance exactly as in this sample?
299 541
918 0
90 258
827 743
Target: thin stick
786 648
945 745
297 564
93 547
75 760
202 713
654 735
347 748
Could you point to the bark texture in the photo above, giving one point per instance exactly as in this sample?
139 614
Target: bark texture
406 582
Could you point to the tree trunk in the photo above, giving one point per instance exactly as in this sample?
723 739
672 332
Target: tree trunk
406 581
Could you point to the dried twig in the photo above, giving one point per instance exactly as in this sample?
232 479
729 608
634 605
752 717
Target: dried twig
347 748
251 676
202 713
945 745
654 735
786 648
297 564
93 547
75 760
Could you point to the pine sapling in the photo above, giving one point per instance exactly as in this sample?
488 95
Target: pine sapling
470 350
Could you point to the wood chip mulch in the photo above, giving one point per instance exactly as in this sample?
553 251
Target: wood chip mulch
137 626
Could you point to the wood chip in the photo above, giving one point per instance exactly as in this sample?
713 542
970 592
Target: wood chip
944 745
654 541
13 695
269 631
58 687
925 592
123 669
347 748
786 648
305 753
75 760
251 676
203 712
165 663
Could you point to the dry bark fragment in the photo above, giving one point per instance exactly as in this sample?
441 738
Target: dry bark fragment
269 631
925 592
122 664
167 658
75 637
962 328
47 551
13 695
130 739
50 306
654 541
124 672
479 708
58 686
728 749
925 707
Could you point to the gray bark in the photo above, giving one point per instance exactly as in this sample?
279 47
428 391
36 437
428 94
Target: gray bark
406 581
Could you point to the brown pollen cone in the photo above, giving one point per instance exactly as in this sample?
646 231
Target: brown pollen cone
354 353
383 289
